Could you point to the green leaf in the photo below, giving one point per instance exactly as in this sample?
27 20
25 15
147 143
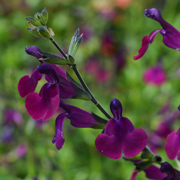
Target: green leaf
71 59
44 16
53 59
98 126
146 153
75 42
99 119
142 165
80 92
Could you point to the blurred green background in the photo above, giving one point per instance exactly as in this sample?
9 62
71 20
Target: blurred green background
113 30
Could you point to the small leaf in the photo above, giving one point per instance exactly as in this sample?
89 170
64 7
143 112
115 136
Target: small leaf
146 153
37 15
98 126
80 92
99 119
142 165
71 59
75 42
52 58
44 16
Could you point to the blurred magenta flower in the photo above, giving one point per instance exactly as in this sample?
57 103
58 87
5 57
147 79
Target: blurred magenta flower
155 75
172 146
100 75
12 116
171 36
165 127
21 150
108 47
78 118
120 135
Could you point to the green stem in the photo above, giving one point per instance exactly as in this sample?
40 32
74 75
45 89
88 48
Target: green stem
74 68
59 49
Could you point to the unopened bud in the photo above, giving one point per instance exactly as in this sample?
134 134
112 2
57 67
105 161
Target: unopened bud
44 32
37 15
35 32
33 21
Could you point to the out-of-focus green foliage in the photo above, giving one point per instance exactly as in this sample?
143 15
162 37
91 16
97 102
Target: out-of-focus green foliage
112 35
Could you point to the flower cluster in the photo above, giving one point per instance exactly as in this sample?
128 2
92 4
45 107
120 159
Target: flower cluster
119 136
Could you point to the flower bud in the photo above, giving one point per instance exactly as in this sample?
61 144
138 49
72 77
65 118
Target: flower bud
35 32
33 21
44 32
44 16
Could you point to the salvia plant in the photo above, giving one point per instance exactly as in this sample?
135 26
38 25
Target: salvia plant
118 137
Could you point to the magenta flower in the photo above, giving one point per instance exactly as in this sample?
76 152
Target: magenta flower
171 36
78 118
120 136
28 84
45 104
172 146
155 75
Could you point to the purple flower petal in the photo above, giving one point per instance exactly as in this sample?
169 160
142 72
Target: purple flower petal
153 172
27 85
54 74
143 49
44 106
171 36
46 68
80 118
172 146
33 51
134 142
155 75
134 174
58 137
109 146
145 44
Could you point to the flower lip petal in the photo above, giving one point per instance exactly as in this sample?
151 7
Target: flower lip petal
28 84
143 48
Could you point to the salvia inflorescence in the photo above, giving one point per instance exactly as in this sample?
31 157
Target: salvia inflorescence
118 137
